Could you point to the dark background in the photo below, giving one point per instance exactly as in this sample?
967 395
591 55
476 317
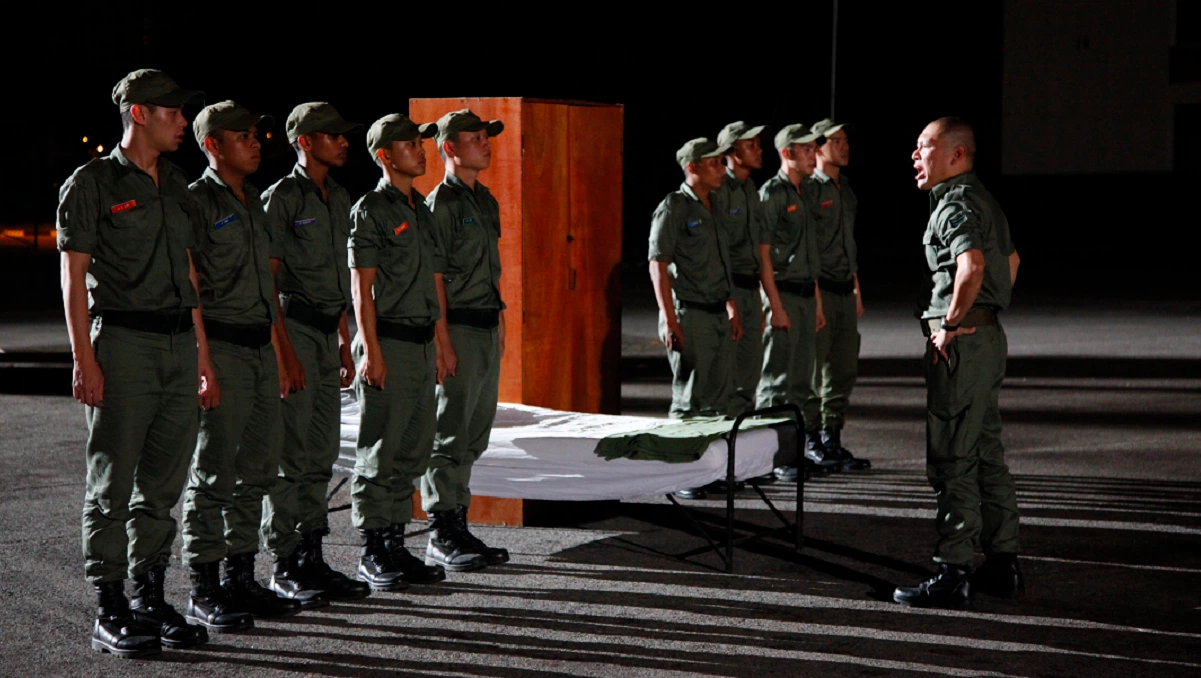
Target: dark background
899 65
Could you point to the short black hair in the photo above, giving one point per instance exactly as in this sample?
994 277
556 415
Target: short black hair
127 115
959 132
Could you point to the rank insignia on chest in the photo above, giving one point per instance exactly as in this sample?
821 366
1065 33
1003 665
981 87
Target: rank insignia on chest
693 224
827 204
226 221
304 222
117 209
401 228
792 208
468 220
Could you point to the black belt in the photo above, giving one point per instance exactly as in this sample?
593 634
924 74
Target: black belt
719 307
410 333
804 289
979 316
837 287
303 313
484 319
159 322
246 336
746 282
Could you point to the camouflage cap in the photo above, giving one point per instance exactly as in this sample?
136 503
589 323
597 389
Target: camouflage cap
699 148
148 86
464 120
396 127
227 115
737 131
317 116
796 134
826 127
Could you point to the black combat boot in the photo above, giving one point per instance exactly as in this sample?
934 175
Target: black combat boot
116 631
450 547
818 457
210 606
832 439
151 609
247 594
1000 576
289 581
334 584
950 588
375 562
415 571
492 555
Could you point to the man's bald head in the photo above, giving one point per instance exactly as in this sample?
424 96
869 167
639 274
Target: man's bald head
957 132
946 148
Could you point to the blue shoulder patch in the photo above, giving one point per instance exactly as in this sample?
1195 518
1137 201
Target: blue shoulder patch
226 221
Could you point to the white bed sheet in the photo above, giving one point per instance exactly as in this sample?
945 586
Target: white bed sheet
538 453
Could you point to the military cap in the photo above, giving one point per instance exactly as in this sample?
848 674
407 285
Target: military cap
464 120
737 131
227 115
826 127
796 134
317 116
148 86
396 127
699 148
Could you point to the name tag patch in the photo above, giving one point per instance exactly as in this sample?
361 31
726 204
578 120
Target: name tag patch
693 224
734 211
827 204
469 220
304 222
117 209
958 219
792 208
226 221
401 228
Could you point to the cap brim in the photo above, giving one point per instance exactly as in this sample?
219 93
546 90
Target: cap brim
494 127
428 130
718 152
828 132
340 127
751 133
263 122
178 98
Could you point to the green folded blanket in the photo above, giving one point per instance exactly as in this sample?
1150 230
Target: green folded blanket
679 442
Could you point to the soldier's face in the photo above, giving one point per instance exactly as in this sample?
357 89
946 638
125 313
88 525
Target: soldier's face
407 157
748 153
165 127
328 149
473 150
837 150
804 157
240 151
931 158
710 171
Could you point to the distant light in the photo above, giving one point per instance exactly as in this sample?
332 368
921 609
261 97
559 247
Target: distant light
85 140
99 149
268 135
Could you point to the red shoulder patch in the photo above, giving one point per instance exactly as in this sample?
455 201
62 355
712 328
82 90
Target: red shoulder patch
827 204
792 208
401 228
115 209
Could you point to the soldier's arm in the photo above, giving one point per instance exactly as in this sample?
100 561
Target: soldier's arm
210 390
772 210
77 233
662 251
364 260
291 371
1014 262
447 361
960 227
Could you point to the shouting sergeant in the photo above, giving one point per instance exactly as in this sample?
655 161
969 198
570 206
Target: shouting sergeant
837 345
974 265
738 198
310 214
124 231
396 303
790 266
470 336
237 453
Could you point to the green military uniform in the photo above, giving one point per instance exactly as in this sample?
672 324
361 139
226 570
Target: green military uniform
965 459
237 453
396 424
141 438
466 227
739 202
833 207
314 284
692 239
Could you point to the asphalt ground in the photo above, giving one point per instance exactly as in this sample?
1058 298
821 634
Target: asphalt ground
1103 430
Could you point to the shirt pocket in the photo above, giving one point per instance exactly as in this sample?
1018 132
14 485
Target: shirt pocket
305 228
132 232
469 246
227 229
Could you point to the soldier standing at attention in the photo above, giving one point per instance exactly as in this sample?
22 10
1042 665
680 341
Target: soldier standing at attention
790 266
738 198
837 345
237 452
124 233
310 215
396 304
470 336
974 264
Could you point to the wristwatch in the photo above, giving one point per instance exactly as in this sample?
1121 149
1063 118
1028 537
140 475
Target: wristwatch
948 328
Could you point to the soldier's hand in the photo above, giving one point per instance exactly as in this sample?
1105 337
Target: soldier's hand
285 377
942 339
674 339
374 370
87 382
294 369
821 319
347 369
446 360
736 330
210 391
859 310
779 319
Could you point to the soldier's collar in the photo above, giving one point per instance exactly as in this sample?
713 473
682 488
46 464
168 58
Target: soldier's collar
306 180
458 183
393 193
165 167
821 176
968 177
687 190
248 189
